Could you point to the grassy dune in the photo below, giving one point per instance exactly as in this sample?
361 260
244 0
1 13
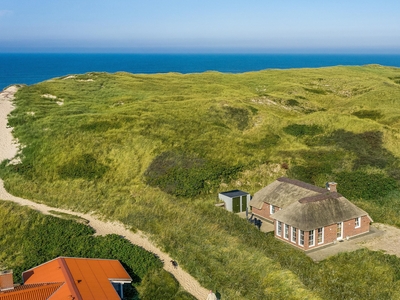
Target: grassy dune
154 150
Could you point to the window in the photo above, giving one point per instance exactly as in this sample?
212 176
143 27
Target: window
311 238
271 209
286 236
301 239
279 228
321 235
358 222
294 234
339 231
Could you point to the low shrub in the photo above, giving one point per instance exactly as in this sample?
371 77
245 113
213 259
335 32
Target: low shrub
300 130
359 184
84 166
186 175
368 114
239 116
160 284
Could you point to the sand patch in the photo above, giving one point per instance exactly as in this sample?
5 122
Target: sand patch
49 96
8 145
69 77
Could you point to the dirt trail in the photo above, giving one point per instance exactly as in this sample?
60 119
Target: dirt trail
9 148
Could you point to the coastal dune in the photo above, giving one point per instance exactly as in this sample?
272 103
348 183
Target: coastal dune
9 149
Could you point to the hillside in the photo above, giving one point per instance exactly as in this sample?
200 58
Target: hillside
153 151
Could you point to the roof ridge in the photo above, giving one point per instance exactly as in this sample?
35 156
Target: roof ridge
69 280
320 197
302 184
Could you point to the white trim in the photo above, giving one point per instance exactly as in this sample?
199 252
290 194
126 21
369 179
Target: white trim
341 231
313 238
286 231
357 221
301 233
272 209
294 233
322 234
278 228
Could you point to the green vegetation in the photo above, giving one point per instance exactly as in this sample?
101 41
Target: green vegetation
28 239
160 284
153 151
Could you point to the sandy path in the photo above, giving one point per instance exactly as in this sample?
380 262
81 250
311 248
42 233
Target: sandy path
8 149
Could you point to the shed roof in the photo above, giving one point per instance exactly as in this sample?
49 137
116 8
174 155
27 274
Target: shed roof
319 211
234 193
284 191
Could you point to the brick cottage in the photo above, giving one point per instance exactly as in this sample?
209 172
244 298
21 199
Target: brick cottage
308 216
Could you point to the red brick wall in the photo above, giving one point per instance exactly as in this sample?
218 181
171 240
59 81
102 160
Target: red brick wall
329 234
264 212
350 230
289 240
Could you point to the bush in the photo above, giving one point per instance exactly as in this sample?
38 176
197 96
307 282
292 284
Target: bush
185 175
84 166
368 114
300 130
239 116
160 284
359 184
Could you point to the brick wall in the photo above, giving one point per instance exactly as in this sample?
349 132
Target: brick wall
264 212
350 230
329 233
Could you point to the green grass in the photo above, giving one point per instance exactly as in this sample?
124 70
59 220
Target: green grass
153 151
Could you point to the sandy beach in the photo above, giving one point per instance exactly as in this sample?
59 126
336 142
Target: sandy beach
9 149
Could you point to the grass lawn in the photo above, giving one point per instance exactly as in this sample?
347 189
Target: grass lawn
154 150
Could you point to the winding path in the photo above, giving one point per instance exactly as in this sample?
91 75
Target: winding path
8 150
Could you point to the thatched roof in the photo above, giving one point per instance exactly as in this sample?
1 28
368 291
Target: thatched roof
318 211
284 191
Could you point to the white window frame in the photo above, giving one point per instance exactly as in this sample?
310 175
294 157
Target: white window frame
311 238
357 222
294 235
272 209
322 235
301 238
278 228
286 231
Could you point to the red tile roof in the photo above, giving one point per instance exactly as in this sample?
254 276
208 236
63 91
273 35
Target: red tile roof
41 291
78 278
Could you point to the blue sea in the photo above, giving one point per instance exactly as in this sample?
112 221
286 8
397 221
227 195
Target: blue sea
34 68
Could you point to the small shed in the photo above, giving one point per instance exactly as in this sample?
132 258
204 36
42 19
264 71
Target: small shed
235 201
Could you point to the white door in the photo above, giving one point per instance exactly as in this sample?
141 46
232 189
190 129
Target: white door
339 231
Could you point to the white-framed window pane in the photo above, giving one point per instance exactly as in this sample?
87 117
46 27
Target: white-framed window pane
286 236
301 238
320 235
339 230
271 209
294 234
279 228
358 222
311 238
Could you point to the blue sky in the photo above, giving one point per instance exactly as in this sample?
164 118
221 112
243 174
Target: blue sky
264 26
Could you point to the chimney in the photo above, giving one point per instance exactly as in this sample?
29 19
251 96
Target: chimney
6 280
331 186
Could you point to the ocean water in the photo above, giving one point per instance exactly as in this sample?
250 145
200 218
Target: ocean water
34 68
